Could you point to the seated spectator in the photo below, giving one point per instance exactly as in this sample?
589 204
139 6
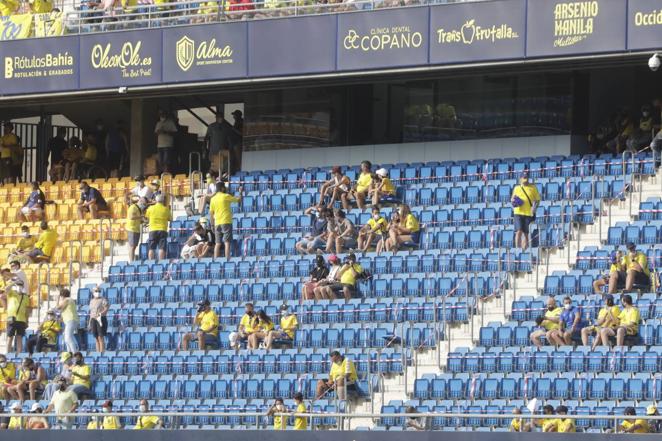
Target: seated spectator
207 245
636 264
405 230
381 186
642 134
81 377
64 401
109 422
395 221
570 324
341 377
23 247
134 224
373 232
90 201
16 422
65 363
7 376
206 322
37 421
360 192
654 426
350 272
240 9
45 245
624 128
516 424
31 380
41 7
316 238
147 422
98 322
263 326
633 425
190 247
90 154
9 7
280 421
336 187
141 190
607 318
413 422
564 425
549 424
327 286
616 278
247 326
158 216
33 209
47 335
547 324
288 327
343 236
319 272
71 157
16 304
628 325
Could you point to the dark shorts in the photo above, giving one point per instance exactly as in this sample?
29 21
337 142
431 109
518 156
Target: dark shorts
336 287
641 279
224 233
620 281
416 237
16 328
157 240
165 156
113 161
522 223
99 330
134 239
351 288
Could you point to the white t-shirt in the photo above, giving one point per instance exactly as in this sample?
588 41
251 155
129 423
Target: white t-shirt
165 139
63 402
144 192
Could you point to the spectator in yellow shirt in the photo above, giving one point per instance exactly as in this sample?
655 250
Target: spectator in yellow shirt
636 264
360 192
549 424
547 323
9 140
616 278
23 247
607 318
628 325
158 216
516 424
206 321
81 377
133 225
288 327
349 273
31 379
342 376
381 186
373 231
221 211
109 422
41 6
264 325
47 335
16 422
403 228
17 304
43 249
564 425
280 421
525 200
247 326
7 375
300 422
7 8
147 422
633 425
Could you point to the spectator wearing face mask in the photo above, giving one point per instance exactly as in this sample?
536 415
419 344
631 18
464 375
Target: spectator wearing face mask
382 187
326 287
64 401
31 379
247 326
406 230
615 280
525 200
316 238
206 322
64 374
159 217
607 318
343 236
570 324
337 187
147 422
109 422
633 425
140 190
33 209
98 323
628 323
374 231
547 323
190 247
318 273
16 422
81 376
288 327
24 246
16 302
7 375
636 267
47 335
18 273
69 313
280 421
134 221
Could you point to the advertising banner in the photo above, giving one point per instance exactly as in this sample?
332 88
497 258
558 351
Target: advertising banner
205 52
48 65
14 27
49 25
292 46
644 24
120 59
387 38
462 32
558 27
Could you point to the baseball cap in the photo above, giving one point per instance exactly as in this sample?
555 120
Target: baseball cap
382 172
333 258
203 221
631 247
524 175
15 405
65 356
35 407
155 182
650 410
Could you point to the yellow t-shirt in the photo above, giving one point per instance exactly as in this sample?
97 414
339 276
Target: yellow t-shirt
26 243
9 140
146 422
92 425
549 425
50 330
208 8
379 226
387 186
289 324
82 370
111 423
339 370
639 258
565 425
522 191
8 7
516 425
363 183
25 375
643 426
42 6
265 327
248 323
208 320
615 312
47 241
8 373
549 325
411 223
219 207
70 312
629 317
349 276
301 423
158 216
132 224
17 305
614 268
16 423
280 422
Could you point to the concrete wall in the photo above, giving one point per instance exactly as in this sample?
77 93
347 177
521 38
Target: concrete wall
412 152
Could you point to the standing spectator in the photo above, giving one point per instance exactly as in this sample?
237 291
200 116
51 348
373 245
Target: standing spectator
237 134
628 325
45 245
16 422
342 376
7 376
381 186
316 238
336 187
64 401
564 425
90 201
158 216
373 231
8 142
525 200
326 287
217 141
37 421
81 376
221 211
69 314
319 272
280 421
547 323
90 155
71 157
633 425
56 147
264 326
288 327
360 192
109 422
141 190
616 278
24 246
654 426
349 274
16 303
406 229
247 326
165 131
17 155
98 322
206 322
570 324
33 209
147 422
47 335
31 379
636 264
300 422
116 145
156 191
642 134
344 235
18 273
607 318
134 221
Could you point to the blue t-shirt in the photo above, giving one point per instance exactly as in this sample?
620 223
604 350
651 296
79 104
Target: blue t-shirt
93 194
36 199
567 317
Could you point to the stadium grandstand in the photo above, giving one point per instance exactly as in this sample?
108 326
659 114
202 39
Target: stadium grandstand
339 217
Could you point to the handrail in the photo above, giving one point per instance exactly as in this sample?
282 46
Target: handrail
102 240
40 284
80 260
